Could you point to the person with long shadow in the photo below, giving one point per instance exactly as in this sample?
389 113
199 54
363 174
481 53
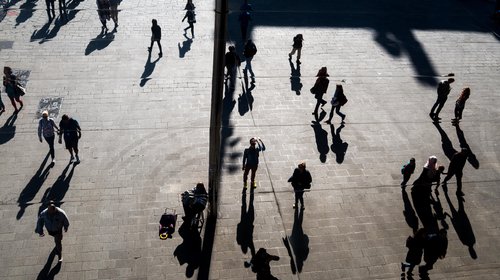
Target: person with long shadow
295 83
319 89
189 251
8 130
186 46
338 147
321 140
149 68
31 189
244 230
461 223
47 273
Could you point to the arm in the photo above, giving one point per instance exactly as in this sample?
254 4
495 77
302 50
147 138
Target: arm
262 147
40 130
185 16
39 225
54 124
65 221
78 130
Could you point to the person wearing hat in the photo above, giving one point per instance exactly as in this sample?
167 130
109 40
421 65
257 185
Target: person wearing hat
319 89
47 127
55 220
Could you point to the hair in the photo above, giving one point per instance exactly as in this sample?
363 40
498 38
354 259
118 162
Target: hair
300 36
440 168
302 164
45 113
431 163
322 72
7 69
450 80
464 95
154 22
412 159
200 186
252 139
64 117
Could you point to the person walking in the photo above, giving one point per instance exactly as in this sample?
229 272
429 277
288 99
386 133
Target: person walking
338 100
460 104
10 84
155 36
251 160
443 90
113 10
232 61
103 12
249 51
407 170
319 89
55 220
456 167
296 47
47 127
51 11
71 130
191 18
301 180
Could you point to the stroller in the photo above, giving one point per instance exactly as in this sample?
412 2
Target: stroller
194 202
167 224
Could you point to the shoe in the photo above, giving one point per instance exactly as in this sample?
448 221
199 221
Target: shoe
328 122
72 159
298 62
254 185
403 267
343 118
53 160
77 159
302 207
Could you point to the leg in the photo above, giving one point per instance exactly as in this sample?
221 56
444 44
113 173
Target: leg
159 46
191 25
299 52
292 52
337 110
331 115
58 241
252 177
432 113
13 102
50 141
151 46
406 177
459 183
245 175
440 105
318 102
300 197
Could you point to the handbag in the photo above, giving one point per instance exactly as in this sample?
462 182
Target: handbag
20 90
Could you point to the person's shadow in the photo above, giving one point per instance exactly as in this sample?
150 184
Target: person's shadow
298 243
245 100
338 147
295 83
244 230
59 188
47 273
8 130
31 189
189 251
461 223
26 11
42 33
100 42
186 46
321 140
149 68
463 144
409 213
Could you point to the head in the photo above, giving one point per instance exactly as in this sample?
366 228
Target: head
322 72
65 117
431 163
232 48
440 169
302 166
412 160
253 142
465 93
52 208
154 22
7 70
450 80
45 114
339 88
300 36
200 187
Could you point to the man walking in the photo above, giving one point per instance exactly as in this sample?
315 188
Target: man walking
249 51
232 61
54 219
456 167
301 180
70 128
47 127
443 90
155 36
251 160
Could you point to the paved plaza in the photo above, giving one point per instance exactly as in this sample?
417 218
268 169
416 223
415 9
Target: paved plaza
145 139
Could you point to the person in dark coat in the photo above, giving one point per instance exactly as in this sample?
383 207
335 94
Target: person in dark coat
232 61
249 51
251 160
156 36
301 179
191 18
456 167
296 47
443 90
319 89
338 100
407 170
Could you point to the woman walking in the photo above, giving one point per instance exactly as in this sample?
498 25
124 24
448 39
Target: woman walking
10 84
320 88
191 17
460 104
338 100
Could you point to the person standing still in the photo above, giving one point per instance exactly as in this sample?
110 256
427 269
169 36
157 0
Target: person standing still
251 160
319 89
460 104
301 180
296 47
55 220
155 36
443 90
249 51
47 127
191 17
70 128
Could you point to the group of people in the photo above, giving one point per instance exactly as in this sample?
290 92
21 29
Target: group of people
320 88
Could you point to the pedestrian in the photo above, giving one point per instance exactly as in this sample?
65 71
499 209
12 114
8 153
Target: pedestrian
296 47
338 100
191 17
47 127
244 19
460 104
320 88
10 84
232 60
113 9
456 167
55 220
301 180
251 160
63 12
443 90
260 264
155 36
415 244
70 128
51 11
103 12
249 51
407 170
189 5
